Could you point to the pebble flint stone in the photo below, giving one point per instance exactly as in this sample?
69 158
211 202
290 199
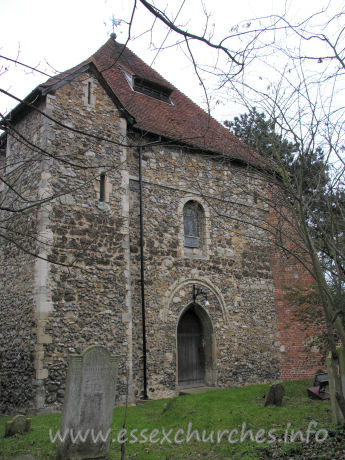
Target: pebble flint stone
201 170
89 403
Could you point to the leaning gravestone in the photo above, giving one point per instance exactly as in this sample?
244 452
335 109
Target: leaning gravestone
19 424
275 395
88 405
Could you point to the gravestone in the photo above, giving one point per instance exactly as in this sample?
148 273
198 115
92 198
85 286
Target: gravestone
275 395
19 424
88 405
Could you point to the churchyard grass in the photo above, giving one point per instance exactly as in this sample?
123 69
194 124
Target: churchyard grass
212 411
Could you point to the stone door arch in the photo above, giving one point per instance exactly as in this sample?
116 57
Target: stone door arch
195 348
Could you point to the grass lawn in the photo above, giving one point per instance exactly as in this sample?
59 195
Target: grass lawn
216 410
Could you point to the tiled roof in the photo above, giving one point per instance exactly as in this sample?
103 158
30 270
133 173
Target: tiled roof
182 121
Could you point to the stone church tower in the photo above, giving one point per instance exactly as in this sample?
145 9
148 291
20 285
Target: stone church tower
140 229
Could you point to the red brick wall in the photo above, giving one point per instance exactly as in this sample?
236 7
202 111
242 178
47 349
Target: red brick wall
297 361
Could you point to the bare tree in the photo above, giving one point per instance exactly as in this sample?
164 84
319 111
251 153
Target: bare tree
300 88
294 71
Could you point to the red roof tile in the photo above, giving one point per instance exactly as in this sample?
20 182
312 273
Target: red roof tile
181 121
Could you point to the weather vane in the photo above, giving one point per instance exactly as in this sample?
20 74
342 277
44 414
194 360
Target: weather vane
115 23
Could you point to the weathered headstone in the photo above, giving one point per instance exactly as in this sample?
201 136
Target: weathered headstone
88 405
275 395
19 424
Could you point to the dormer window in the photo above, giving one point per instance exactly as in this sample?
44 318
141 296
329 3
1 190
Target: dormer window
149 88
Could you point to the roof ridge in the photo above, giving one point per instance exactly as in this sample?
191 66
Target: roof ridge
182 121
128 54
111 41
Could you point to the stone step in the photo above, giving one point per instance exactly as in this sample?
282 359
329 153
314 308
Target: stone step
140 402
196 390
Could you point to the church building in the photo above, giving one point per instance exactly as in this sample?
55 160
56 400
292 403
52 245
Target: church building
132 219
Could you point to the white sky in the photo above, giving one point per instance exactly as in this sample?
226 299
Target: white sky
61 34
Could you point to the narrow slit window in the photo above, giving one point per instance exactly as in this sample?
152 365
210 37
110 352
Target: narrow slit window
102 180
89 92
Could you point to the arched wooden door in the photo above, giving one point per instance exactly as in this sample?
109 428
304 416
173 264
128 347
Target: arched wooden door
191 355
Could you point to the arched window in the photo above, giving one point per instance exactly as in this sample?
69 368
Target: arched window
193 217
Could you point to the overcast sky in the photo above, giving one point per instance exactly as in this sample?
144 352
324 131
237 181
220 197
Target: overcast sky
57 35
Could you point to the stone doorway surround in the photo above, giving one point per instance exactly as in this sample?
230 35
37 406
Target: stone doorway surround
213 317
